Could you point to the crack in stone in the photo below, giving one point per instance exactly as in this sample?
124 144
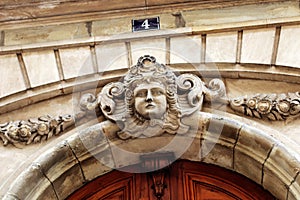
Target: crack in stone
79 163
41 170
263 165
234 145
292 182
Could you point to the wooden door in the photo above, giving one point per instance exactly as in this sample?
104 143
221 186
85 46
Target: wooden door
183 180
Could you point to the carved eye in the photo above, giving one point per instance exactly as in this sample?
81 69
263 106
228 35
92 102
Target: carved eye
142 93
157 92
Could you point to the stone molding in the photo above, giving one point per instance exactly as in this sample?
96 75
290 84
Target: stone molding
228 70
69 161
34 13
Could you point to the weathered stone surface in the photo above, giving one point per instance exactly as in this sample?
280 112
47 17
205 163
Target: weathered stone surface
257 46
289 46
37 185
218 153
221 47
93 152
194 151
109 26
41 34
284 175
11 76
62 169
185 49
41 67
154 47
218 141
294 189
76 62
251 151
111 56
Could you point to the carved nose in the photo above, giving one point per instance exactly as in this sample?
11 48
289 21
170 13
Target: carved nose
149 97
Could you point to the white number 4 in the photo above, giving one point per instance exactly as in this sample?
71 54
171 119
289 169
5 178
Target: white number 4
145 24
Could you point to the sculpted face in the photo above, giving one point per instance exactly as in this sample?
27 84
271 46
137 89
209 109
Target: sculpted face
150 100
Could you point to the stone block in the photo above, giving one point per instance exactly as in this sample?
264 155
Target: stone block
45 33
288 49
68 182
41 67
251 151
11 75
280 168
111 56
109 26
153 47
93 167
221 47
31 184
218 141
62 169
218 153
247 165
223 128
185 49
126 153
76 62
294 190
95 156
193 152
257 46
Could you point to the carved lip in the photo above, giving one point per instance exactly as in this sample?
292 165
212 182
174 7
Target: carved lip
150 105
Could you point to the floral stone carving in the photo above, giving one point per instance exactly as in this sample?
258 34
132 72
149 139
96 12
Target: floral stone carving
270 106
151 100
33 130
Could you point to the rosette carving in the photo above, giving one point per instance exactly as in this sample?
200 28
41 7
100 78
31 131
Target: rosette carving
270 106
33 130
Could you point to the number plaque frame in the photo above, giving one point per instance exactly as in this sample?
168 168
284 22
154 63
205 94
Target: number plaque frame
145 24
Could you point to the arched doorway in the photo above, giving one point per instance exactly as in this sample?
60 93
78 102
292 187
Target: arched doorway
246 151
182 180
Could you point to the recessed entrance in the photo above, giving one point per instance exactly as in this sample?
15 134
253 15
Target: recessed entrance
183 180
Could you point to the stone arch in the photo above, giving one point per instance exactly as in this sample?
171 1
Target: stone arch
246 150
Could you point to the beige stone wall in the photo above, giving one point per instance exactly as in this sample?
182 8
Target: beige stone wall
197 17
253 48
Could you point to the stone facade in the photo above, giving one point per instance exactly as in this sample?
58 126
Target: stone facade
46 72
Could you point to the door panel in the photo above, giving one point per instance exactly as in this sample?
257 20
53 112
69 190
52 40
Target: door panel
183 180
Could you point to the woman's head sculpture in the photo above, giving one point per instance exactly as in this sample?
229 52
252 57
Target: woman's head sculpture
151 100
151 96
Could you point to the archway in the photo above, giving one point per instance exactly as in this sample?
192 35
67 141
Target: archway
246 150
